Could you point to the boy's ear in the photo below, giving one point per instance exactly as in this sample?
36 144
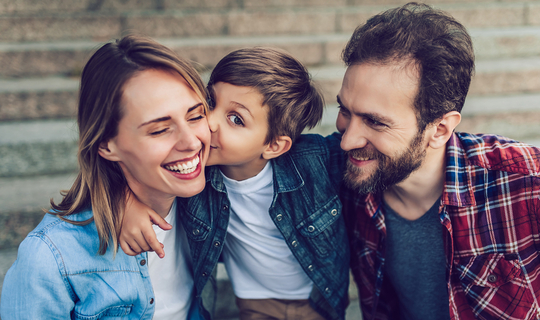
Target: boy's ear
107 151
274 149
443 129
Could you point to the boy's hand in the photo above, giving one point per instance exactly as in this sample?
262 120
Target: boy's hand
137 234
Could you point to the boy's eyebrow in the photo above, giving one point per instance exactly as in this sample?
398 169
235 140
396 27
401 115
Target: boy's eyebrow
239 105
168 117
375 116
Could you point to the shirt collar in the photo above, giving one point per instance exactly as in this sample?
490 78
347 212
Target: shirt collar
286 175
458 190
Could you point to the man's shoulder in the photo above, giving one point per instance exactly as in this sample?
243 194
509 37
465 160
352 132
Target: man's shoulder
494 152
315 144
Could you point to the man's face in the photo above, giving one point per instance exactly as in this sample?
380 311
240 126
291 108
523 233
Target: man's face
379 126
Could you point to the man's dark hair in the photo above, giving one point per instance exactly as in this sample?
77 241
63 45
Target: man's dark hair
288 92
438 45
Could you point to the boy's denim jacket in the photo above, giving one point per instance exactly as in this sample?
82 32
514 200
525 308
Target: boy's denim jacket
58 274
306 209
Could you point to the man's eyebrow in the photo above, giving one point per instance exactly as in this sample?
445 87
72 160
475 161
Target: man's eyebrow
167 118
374 116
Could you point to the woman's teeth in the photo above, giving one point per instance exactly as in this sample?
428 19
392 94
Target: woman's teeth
184 168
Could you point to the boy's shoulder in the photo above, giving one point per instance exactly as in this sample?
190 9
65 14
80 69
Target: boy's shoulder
311 144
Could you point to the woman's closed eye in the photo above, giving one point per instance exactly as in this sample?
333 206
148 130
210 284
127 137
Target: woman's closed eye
158 132
197 118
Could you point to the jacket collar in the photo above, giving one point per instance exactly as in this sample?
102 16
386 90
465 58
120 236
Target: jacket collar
287 178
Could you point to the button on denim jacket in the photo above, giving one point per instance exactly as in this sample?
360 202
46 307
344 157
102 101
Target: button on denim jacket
59 275
307 211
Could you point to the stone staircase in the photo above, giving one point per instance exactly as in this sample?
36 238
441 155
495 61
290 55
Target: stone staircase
45 43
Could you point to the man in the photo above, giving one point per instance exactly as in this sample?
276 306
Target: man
442 225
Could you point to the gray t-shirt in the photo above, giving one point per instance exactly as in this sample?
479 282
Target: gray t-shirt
416 264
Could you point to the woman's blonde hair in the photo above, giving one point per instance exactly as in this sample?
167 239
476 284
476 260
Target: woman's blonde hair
100 184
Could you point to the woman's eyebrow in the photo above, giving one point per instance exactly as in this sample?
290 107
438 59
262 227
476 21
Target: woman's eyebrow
154 121
168 117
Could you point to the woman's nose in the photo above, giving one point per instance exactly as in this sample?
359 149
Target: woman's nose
188 140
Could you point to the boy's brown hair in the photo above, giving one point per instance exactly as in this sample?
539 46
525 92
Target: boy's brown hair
293 101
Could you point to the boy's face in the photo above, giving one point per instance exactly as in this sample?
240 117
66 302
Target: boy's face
239 126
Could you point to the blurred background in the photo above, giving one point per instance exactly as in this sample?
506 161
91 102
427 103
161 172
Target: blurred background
45 43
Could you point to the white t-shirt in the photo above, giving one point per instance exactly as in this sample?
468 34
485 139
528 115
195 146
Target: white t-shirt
258 261
172 276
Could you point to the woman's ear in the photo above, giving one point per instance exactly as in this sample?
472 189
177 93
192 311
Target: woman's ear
274 149
107 151
443 129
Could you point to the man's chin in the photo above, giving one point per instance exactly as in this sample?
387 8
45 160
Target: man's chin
363 185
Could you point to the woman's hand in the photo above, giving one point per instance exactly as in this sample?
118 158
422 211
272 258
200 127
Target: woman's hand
137 234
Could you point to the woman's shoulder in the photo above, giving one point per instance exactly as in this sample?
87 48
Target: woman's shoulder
53 225
60 235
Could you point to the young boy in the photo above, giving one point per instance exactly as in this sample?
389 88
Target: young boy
273 192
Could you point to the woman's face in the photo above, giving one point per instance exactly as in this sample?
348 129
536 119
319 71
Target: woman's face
163 137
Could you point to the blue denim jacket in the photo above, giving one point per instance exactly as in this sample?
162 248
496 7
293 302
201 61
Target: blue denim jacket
307 211
59 275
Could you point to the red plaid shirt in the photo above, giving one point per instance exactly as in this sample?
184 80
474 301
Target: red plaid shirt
490 209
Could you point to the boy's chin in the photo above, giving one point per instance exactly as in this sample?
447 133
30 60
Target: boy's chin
212 161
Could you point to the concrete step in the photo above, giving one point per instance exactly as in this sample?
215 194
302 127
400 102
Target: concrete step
24 200
253 21
56 97
32 6
68 57
38 98
38 147
503 76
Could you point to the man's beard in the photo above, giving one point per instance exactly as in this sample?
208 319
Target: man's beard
390 170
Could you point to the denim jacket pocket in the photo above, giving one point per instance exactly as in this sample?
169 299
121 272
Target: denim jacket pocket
115 312
494 282
196 229
320 228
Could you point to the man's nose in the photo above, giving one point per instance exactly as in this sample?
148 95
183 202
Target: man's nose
354 137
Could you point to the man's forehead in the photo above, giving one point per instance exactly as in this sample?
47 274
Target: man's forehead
388 90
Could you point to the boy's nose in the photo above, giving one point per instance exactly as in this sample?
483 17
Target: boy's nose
212 123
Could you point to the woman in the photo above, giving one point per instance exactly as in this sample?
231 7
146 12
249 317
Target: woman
142 127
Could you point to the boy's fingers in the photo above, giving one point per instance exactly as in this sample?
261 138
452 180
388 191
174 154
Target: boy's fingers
154 244
134 246
159 221
127 248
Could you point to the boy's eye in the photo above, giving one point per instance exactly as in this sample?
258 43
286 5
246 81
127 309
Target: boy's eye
236 120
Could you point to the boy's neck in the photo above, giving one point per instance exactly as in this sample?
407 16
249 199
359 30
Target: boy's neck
244 171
